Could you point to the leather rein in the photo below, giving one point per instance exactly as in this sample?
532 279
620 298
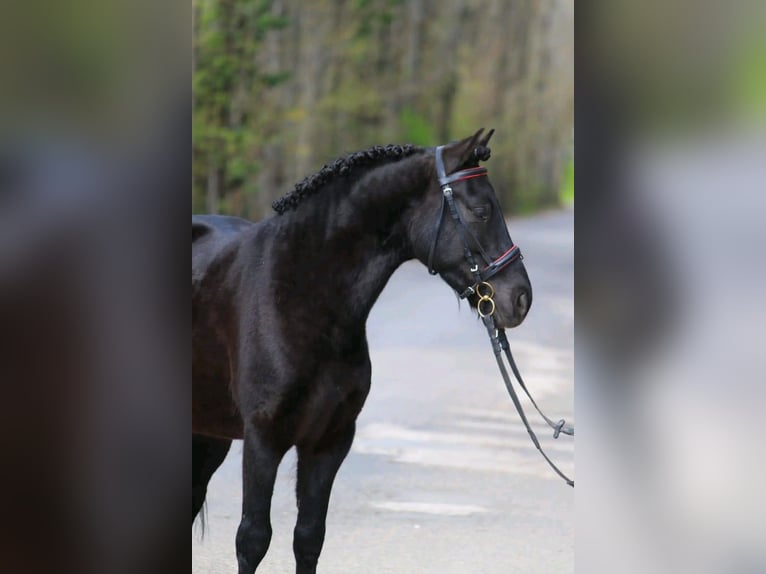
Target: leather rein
485 292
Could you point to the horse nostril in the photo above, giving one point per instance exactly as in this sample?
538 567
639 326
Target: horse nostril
522 302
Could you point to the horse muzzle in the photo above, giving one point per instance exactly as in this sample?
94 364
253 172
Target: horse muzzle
512 308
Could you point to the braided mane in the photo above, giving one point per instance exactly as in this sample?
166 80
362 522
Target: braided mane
339 168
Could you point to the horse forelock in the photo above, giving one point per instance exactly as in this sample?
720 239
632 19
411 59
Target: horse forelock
341 167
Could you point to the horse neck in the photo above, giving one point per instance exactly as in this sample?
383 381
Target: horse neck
346 243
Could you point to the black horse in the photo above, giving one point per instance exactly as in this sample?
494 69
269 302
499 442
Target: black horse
279 309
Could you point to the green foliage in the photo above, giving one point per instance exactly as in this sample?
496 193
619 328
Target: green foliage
370 15
566 194
749 74
271 80
279 88
224 126
416 128
270 22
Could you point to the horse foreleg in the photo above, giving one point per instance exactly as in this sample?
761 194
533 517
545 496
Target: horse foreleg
260 461
316 473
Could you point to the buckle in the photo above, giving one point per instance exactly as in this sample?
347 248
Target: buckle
468 292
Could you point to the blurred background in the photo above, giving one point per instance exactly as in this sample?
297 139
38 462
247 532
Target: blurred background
281 87
670 277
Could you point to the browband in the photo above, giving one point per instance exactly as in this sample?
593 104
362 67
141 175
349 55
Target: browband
463 174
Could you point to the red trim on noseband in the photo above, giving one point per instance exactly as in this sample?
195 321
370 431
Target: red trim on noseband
470 177
506 253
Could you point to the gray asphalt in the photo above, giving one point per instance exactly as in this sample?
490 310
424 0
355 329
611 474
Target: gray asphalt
442 477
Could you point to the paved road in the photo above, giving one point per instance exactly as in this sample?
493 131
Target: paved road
442 477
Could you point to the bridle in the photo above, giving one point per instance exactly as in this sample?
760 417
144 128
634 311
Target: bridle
485 292
493 266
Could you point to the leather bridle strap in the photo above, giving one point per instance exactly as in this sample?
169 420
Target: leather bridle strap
449 201
495 337
501 262
437 232
558 427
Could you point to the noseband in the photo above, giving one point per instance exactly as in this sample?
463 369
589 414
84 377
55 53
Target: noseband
493 266
486 292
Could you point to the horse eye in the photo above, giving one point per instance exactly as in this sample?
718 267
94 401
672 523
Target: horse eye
481 211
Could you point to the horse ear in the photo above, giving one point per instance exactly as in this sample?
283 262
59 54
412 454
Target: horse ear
482 152
460 153
487 137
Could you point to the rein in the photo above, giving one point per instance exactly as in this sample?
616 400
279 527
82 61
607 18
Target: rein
486 303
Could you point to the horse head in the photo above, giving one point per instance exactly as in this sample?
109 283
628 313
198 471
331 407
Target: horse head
460 233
